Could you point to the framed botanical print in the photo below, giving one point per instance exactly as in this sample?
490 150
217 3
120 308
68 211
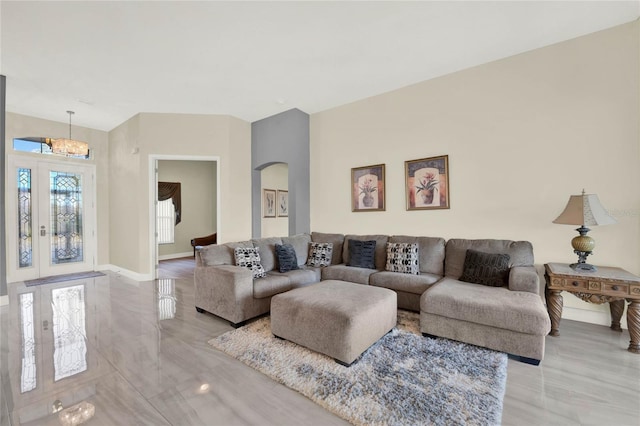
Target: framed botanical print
367 188
268 203
283 203
427 183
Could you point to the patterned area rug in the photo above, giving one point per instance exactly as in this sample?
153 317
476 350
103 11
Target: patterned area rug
403 379
62 278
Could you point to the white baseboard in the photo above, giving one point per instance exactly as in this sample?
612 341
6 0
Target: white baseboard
591 317
175 255
4 300
125 272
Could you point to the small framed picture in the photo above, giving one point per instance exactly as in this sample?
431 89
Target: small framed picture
268 203
367 188
427 183
283 203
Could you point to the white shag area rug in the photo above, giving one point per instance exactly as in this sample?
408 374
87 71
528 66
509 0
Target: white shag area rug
403 379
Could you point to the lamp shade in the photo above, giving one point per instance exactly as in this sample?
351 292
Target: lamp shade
584 210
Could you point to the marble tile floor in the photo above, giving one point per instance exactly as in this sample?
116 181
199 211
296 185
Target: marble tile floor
138 352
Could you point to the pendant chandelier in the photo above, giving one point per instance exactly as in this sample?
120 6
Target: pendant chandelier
68 146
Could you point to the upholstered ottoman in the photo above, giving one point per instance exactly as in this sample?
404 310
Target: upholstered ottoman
337 318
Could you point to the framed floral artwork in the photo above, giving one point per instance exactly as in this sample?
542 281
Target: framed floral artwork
283 203
268 203
367 188
427 183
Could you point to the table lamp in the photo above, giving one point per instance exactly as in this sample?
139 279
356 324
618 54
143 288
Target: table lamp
584 210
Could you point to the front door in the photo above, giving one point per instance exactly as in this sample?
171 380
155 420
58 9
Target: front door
51 218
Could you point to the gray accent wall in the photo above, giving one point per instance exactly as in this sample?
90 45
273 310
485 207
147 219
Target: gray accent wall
282 138
3 234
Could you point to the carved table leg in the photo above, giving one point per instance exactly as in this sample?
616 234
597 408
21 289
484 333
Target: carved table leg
633 321
554 307
616 307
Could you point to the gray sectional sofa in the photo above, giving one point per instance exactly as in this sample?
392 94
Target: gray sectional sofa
511 318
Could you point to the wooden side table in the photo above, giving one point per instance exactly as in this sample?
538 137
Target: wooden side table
612 285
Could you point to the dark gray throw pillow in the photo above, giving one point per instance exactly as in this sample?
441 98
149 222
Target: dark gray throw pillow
287 260
362 254
491 269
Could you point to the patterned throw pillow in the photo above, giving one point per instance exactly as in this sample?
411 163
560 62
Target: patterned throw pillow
490 269
320 254
287 260
362 254
402 257
250 258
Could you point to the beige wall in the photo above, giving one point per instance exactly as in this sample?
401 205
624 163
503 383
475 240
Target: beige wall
275 177
522 134
181 135
18 125
125 196
198 199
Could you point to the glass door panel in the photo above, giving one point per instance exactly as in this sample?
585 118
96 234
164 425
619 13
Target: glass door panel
65 198
66 217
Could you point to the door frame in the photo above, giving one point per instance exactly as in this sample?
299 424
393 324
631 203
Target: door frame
16 274
153 197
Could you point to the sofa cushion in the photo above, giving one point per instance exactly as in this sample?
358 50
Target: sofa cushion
381 248
267 248
490 269
498 307
300 243
416 284
402 257
347 273
430 252
362 254
286 255
250 258
337 240
520 253
301 277
320 254
273 283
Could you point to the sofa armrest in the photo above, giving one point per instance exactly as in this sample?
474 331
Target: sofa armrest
225 291
524 278
214 255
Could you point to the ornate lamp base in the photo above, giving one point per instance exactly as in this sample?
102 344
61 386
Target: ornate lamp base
582 246
584 267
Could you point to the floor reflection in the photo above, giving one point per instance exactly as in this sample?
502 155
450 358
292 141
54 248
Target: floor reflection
65 341
166 298
69 332
28 379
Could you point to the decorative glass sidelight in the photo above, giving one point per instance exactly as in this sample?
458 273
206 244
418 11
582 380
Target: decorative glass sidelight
66 217
69 331
25 219
28 376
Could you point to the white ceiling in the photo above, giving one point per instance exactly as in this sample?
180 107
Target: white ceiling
111 60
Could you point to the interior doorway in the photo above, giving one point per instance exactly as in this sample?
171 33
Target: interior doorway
199 179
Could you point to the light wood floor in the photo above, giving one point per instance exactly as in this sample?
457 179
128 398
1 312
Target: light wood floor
148 362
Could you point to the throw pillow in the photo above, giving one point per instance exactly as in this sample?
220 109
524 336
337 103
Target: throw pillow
362 254
320 254
250 258
491 269
402 257
287 260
